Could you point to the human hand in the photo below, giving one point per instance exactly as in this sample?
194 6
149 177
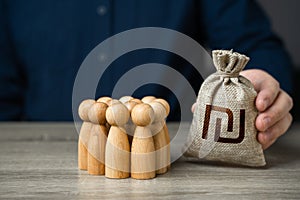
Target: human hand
273 104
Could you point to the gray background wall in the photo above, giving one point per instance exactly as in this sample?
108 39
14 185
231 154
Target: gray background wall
285 16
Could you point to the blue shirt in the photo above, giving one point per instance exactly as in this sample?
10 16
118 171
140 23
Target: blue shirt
43 43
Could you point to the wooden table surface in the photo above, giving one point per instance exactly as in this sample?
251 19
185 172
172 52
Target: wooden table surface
39 161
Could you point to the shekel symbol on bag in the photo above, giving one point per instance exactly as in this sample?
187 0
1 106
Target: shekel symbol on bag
229 113
223 127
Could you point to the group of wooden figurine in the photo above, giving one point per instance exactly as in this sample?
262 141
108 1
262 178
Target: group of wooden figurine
125 137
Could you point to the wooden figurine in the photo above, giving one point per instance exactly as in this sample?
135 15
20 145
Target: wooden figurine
136 100
130 126
167 107
142 149
97 141
107 101
84 133
117 154
159 137
148 99
124 99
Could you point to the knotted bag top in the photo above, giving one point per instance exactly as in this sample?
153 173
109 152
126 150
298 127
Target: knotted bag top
229 63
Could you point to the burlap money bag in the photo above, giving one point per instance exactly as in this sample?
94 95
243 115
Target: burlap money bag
223 126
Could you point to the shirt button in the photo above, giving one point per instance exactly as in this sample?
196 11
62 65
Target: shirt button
101 10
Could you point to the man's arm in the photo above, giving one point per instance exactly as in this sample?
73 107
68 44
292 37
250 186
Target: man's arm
242 25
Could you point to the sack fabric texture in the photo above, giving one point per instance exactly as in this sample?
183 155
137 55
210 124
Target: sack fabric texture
223 126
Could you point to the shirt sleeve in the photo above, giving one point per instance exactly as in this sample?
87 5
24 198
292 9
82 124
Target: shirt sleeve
11 81
242 25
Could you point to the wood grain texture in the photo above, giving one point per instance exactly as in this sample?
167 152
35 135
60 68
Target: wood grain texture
160 138
83 141
142 114
124 99
161 151
143 154
96 150
117 154
84 107
148 99
117 113
39 161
